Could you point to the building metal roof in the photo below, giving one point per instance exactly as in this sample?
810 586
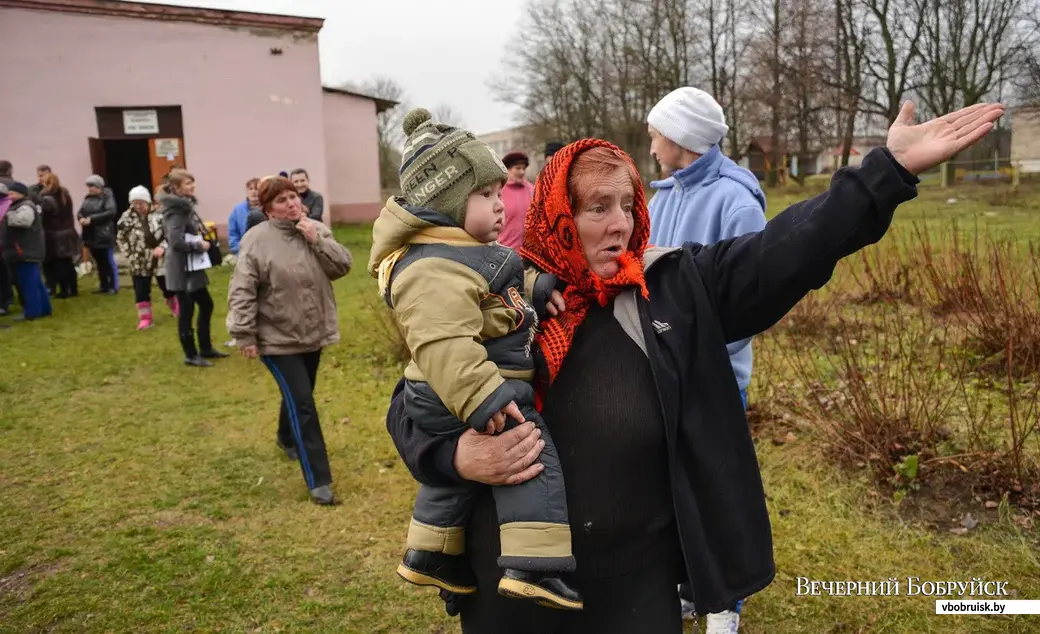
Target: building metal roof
171 13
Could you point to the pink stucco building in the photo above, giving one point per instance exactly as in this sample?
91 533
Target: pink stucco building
128 90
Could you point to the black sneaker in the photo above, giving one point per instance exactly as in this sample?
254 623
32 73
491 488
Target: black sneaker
214 354
429 568
544 588
198 362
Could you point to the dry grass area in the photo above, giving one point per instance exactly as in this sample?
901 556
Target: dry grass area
141 496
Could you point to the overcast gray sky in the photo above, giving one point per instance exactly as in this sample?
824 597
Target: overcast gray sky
440 52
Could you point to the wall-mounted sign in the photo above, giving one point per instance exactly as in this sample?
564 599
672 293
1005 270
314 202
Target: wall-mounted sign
168 148
140 122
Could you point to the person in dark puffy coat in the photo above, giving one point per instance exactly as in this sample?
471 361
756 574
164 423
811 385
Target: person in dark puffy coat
63 245
98 217
21 234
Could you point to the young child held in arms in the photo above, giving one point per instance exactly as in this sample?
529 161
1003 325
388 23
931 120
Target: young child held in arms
458 297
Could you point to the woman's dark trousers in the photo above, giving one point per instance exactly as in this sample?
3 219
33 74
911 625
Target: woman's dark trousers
105 263
188 301
35 303
298 425
61 277
6 286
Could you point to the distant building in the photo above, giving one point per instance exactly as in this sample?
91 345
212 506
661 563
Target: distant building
1025 138
129 90
758 155
830 159
520 139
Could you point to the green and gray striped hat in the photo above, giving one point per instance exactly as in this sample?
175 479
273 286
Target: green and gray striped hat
441 165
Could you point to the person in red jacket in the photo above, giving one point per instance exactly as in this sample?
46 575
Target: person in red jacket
516 195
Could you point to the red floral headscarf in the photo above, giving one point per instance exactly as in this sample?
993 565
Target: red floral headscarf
551 242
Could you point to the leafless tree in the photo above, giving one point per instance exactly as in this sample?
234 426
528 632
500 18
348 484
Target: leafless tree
803 66
798 72
766 85
969 48
446 113
1027 82
852 34
892 35
726 37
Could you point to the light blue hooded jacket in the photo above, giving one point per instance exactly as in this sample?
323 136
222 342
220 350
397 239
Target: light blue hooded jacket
237 225
710 200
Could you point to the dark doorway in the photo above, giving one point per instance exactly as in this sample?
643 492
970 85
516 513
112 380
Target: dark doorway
126 166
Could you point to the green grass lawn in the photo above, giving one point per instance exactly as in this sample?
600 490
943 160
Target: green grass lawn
138 495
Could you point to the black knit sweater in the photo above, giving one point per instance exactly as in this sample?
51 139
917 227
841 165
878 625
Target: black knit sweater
607 426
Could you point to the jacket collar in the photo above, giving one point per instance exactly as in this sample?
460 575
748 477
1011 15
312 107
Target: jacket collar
703 170
626 310
282 224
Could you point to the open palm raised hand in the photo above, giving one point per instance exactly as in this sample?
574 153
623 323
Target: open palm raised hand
922 146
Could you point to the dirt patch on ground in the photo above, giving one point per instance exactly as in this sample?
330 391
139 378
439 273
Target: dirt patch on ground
16 586
956 500
947 496
949 500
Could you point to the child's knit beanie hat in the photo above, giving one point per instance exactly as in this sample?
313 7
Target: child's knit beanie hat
442 165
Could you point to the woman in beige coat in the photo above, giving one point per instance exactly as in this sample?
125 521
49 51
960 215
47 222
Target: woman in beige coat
281 307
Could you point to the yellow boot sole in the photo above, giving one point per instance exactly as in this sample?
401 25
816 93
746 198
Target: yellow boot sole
422 579
520 590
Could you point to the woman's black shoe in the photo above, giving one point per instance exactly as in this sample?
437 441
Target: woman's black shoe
323 496
429 568
198 362
214 354
545 588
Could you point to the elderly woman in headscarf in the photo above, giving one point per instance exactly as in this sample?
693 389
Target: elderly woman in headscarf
663 485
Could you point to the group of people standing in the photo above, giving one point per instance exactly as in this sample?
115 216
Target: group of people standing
40 246
248 213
